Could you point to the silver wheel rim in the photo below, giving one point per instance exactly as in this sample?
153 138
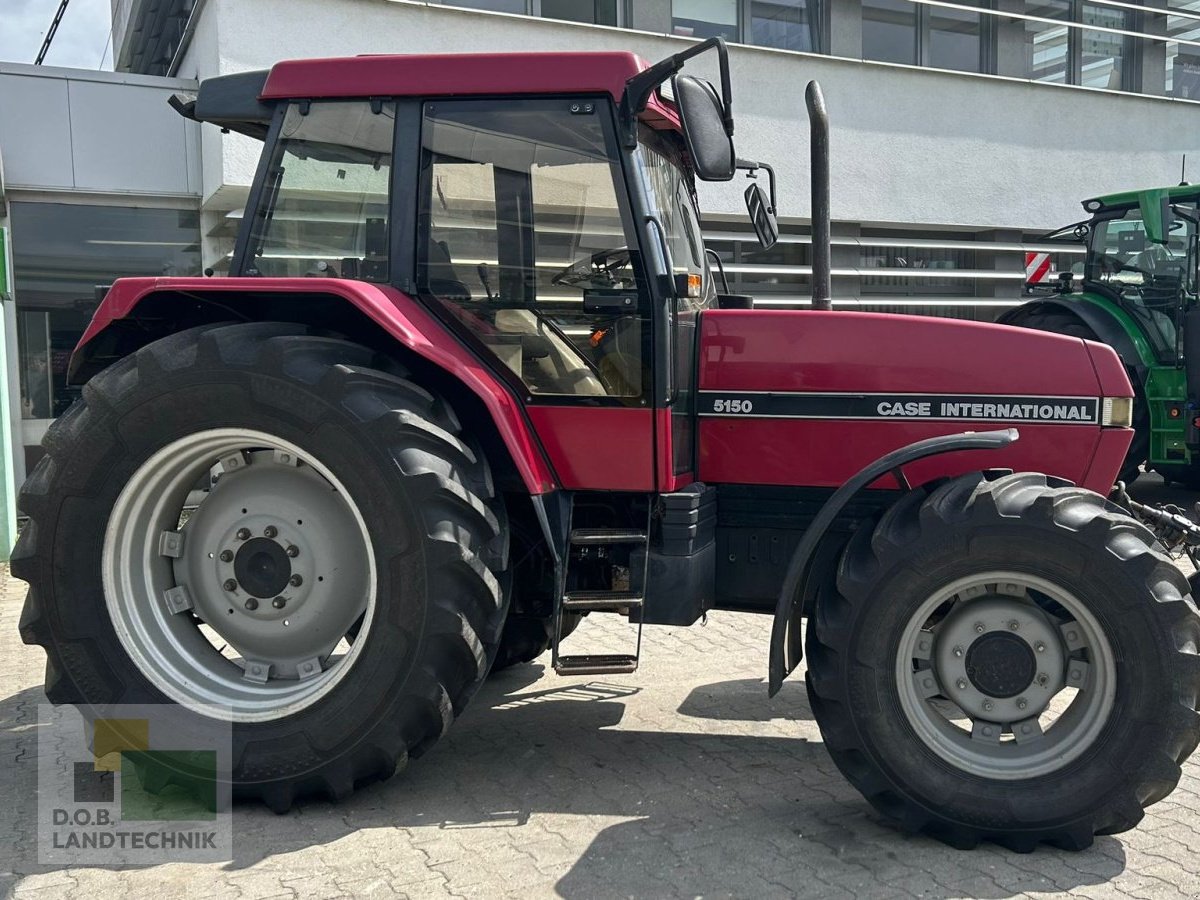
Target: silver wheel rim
962 668
239 574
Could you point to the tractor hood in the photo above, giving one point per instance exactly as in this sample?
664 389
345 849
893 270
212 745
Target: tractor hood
810 397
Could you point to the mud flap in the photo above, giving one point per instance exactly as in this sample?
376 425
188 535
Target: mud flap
786 649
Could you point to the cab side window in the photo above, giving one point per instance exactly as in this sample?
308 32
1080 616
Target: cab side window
523 239
324 205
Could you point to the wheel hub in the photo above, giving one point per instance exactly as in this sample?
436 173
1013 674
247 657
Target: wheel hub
999 657
1001 665
262 568
981 665
239 596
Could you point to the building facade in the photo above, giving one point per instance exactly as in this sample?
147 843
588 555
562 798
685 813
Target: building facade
961 130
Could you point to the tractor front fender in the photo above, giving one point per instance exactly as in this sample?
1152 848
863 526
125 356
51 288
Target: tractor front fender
1108 328
136 311
786 651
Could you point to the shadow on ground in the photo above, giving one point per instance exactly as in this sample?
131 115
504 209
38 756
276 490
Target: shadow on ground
703 813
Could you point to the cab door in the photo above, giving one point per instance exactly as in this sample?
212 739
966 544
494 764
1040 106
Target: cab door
526 247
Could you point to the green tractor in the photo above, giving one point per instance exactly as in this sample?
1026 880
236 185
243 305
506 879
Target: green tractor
1138 294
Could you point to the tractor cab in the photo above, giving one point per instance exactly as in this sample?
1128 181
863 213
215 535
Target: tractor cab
1141 254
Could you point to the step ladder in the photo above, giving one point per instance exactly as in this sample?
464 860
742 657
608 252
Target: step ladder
626 602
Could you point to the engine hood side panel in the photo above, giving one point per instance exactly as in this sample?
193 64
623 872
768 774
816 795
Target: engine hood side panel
829 392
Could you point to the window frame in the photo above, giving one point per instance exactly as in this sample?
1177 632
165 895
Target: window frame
922 40
633 217
242 263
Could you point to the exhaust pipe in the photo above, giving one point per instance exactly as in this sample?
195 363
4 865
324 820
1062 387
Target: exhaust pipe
818 122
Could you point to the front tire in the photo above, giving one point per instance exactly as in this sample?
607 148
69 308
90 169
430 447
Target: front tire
1010 660
346 555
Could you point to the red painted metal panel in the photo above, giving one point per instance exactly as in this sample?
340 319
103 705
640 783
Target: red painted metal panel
453 74
812 350
809 351
598 448
825 453
398 314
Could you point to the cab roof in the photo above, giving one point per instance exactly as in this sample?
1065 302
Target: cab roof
453 74
1144 197
245 101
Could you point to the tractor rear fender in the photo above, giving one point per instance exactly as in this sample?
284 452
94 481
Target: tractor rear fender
1108 328
786 648
137 311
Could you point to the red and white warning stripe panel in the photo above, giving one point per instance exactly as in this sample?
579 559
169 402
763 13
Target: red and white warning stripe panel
1037 267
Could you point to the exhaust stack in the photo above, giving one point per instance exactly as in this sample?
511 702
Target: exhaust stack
818 121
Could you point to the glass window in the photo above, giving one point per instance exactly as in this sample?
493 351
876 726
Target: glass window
953 39
509 6
1047 47
1102 53
705 18
889 31
1183 60
523 239
786 24
324 207
594 12
61 254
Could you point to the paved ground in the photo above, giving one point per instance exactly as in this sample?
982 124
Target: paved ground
681 780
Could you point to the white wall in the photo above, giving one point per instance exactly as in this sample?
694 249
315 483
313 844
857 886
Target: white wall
909 145
95 132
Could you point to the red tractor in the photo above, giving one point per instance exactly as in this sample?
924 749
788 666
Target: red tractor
471 378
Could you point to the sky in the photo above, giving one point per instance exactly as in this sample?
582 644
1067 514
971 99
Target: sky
81 39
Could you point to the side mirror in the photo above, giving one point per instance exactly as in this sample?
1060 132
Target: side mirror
762 216
703 117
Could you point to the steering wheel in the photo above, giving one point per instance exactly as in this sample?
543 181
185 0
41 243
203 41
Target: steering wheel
602 266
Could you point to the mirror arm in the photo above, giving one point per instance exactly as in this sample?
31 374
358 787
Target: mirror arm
641 86
750 167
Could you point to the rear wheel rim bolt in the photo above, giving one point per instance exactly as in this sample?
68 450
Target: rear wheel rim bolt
226 556
279 602
243 534
295 581
251 604
958 651
293 551
979 629
987 705
270 531
962 684
230 584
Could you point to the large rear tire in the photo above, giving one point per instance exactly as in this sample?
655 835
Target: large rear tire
1064 323
346 553
1010 660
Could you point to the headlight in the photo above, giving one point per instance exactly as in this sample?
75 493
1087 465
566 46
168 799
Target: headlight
1117 412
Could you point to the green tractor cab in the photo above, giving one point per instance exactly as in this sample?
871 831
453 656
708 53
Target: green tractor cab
1136 291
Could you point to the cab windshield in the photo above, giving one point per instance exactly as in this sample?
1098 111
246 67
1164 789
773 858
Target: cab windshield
671 194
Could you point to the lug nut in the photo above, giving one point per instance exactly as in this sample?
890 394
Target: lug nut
251 604
1022 703
987 705
293 551
1042 678
961 684
230 584
295 581
243 534
279 602
226 556
958 651
1040 647
1013 625
979 628
270 531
